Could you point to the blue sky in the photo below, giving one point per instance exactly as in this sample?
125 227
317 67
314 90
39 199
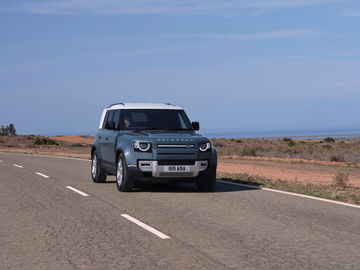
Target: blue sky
246 64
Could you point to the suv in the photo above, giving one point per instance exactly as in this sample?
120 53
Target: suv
151 142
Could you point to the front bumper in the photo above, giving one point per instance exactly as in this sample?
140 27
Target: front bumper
156 170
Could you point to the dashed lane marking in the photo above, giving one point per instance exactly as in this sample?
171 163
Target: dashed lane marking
18 166
43 175
77 191
146 227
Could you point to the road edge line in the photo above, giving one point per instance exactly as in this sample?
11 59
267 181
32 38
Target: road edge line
291 193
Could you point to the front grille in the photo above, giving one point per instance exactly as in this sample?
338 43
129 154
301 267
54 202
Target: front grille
175 146
177 154
175 174
176 162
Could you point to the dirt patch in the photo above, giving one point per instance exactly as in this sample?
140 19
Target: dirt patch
87 140
305 173
75 146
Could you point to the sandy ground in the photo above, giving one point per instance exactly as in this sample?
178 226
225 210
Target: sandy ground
288 171
87 140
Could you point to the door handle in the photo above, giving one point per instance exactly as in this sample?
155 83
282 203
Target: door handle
107 138
100 137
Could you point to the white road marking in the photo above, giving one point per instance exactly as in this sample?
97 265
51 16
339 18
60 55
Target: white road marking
43 175
19 166
146 227
291 193
77 191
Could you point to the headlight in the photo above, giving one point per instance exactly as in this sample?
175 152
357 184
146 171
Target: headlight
205 147
142 146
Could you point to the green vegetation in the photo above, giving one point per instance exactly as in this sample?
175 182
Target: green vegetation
45 141
329 140
347 193
291 143
248 151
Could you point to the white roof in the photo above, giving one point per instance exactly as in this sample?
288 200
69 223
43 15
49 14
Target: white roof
166 106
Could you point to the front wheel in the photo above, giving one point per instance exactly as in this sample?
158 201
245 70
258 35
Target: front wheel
207 182
123 181
97 173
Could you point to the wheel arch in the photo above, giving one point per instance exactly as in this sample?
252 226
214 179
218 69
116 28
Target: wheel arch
93 149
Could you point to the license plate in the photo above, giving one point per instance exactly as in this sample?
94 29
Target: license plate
175 168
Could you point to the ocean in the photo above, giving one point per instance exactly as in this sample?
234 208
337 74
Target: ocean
280 133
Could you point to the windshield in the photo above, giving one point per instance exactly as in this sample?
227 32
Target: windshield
157 119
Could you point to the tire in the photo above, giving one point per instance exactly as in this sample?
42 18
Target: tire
123 182
97 173
207 182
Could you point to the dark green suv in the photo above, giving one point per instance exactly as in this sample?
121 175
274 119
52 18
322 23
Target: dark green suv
151 142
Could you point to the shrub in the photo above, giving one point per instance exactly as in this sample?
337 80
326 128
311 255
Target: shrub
218 144
291 143
341 179
248 151
44 141
287 139
337 158
77 145
327 147
329 140
239 141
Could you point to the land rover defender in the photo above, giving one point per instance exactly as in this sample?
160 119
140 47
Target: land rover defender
154 143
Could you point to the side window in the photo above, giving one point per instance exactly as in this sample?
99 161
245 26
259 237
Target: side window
105 119
109 117
116 119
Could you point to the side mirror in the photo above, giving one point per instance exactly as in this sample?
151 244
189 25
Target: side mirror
195 125
110 125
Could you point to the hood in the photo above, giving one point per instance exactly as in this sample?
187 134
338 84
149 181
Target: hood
168 135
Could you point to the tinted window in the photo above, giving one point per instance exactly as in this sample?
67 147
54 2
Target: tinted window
116 118
155 119
109 117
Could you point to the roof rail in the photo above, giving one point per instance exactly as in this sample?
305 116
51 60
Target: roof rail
115 104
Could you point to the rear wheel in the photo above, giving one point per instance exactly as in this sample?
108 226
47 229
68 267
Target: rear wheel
97 173
207 182
123 181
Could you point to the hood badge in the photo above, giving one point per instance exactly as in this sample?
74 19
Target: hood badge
175 140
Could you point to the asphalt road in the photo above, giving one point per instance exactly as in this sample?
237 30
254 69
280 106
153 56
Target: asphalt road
45 224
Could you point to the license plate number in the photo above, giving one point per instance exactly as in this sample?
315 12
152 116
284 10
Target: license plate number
177 168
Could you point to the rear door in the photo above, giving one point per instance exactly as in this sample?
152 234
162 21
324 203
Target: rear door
102 137
110 141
